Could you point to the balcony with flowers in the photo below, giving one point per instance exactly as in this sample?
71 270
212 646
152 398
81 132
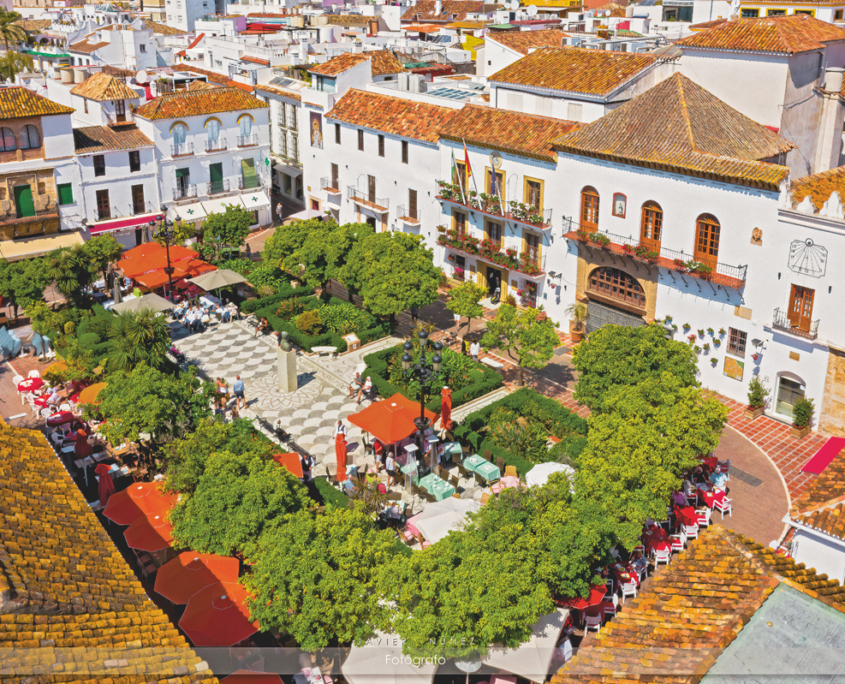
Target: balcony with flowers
673 260
491 205
526 263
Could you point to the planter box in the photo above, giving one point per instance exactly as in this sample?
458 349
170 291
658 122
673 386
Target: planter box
753 413
799 433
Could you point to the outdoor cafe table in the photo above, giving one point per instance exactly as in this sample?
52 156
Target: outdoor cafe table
710 498
472 462
686 515
30 385
437 487
624 574
656 539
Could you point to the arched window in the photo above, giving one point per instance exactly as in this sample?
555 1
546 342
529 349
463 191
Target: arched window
212 129
7 137
246 125
651 229
707 231
590 209
180 134
615 284
30 138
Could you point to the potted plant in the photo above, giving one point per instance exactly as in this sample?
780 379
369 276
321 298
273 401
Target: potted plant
802 416
697 349
757 394
691 339
578 323
714 362
706 347
717 342
722 331
701 332
686 327
710 331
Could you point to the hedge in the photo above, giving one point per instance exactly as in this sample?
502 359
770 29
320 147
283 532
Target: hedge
330 495
572 429
379 372
253 305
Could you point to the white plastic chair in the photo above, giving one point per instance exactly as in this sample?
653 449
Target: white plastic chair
678 541
703 516
34 374
611 610
629 589
723 506
18 379
46 413
663 556
691 531
592 622
65 407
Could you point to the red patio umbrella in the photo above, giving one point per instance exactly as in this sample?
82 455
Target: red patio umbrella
179 579
81 446
391 420
106 484
249 677
218 616
597 592
446 408
149 534
141 499
340 452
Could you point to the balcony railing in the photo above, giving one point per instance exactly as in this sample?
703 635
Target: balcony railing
218 145
181 192
247 140
217 186
249 182
181 149
674 260
379 204
330 185
490 205
130 209
411 217
526 263
780 321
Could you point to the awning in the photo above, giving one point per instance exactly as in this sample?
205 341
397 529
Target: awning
289 169
306 214
255 200
122 224
187 212
12 250
218 206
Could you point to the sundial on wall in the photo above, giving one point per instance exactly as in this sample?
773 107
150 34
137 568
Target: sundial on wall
806 257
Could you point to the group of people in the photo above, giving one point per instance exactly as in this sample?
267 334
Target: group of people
191 313
360 386
238 391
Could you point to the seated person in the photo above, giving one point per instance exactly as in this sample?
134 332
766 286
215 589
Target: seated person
365 389
356 384
225 315
638 562
262 327
233 310
393 515
349 485
688 489
718 479
679 498
57 437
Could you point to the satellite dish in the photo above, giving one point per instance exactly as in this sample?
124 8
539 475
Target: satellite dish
607 13
513 4
495 160
141 77
532 10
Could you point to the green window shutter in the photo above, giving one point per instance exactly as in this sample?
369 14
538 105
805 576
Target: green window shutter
215 171
65 193
23 201
248 170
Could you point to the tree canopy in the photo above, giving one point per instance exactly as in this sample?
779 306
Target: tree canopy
23 282
527 333
464 301
102 251
138 337
227 228
70 268
616 355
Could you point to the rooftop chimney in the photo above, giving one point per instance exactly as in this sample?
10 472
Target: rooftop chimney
438 8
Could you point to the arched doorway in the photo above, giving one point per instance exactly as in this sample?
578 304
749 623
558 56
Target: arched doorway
614 298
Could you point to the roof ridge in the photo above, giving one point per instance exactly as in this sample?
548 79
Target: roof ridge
679 79
832 503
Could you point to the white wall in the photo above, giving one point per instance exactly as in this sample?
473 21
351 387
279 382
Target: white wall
118 181
819 552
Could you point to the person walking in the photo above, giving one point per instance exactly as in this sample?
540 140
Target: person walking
279 211
239 391
474 350
415 313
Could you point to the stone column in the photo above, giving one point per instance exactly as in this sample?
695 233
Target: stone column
286 364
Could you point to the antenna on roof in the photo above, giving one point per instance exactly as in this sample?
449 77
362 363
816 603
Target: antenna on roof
532 10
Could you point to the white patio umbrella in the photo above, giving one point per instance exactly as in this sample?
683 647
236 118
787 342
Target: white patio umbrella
539 474
438 519
148 301
381 659
214 280
532 659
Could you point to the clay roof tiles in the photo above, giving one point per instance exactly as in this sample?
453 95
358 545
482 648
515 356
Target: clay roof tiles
593 72
276 90
34 25
451 10
102 87
507 131
522 41
163 29
679 127
384 62
86 47
99 138
394 115
822 505
784 35
819 187
201 85
198 103
17 102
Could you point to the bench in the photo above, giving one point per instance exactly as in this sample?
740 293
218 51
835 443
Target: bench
487 361
324 350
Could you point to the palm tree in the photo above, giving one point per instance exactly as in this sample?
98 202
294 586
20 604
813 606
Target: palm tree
10 31
136 337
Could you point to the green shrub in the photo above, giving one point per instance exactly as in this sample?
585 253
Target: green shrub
330 495
343 318
88 340
309 323
253 305
290 308
802 412
99 325
268 275
757 393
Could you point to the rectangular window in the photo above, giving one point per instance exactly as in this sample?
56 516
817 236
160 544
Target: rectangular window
134 161
335 179
143 48
801 307
533 194
736 342
103 205
99 165
494 232
85 104
65 193
250 177
460 222
810 13
120 110
495 184
137 199
837 15
381 146
412 204
404 151
361 140
286 180
337 134
750 13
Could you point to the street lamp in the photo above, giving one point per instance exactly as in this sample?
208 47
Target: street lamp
425 374
165 232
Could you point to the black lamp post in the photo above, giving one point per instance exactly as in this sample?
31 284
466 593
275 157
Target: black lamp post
425 373
165 232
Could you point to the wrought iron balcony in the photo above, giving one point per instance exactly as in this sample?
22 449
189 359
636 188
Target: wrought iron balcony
330 185
490 205
248 182
181 149
780 321
409 217
217 186
247 140
218 145
365 199
181 192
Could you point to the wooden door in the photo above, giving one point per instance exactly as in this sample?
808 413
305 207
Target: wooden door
707 240
589 210
652 226
412 204
801 307
371 188
532 248
120 110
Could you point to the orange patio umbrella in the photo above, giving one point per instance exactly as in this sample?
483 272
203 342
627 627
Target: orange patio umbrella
139 500
446 408
391 420
56 367
141 251
89 394
149 534
291 462
218 616
179 579
185 269
154 261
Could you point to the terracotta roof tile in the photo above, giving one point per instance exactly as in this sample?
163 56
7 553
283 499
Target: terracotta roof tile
349 19
86 47
163 29
198 103
103 87
256 60
212 76
17 102
394 115
594 72
521 41
34 25
786 35
501 129
819 187
679 127
704 25
276 90
201 85
451 10
822 505
384 62
99 138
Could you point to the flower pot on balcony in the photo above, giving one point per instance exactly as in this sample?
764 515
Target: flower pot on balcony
751 413
576 331
799 432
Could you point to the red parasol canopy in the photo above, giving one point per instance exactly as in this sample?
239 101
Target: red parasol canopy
81 446
154 260
178 580
446 408
597 592
149 534
217 616
291 462
391 420
184 269
141 251
106 485
143 499
249 677
340 452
